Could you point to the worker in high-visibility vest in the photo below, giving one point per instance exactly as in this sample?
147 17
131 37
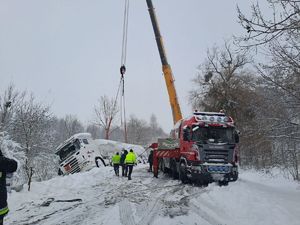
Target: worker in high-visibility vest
116 163
122 163
6 166
130 161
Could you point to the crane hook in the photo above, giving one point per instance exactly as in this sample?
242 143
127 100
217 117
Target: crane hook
122 70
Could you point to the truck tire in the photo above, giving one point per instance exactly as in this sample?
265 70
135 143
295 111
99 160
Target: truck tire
59 172
235 176
162 166
173 172
182 173
97 161
223 183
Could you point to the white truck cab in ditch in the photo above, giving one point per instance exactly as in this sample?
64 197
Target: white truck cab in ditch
79 153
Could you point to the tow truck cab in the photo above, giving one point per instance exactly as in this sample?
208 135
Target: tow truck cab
208 146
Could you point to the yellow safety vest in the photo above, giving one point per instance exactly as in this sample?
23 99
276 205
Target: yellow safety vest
4 211
116 159
130 158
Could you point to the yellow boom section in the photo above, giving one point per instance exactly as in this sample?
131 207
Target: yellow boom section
168 74
176 112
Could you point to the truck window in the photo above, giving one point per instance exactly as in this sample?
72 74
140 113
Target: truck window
85 141
66 151
213 135
77 144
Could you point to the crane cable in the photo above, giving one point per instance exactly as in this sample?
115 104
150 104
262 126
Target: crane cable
123 70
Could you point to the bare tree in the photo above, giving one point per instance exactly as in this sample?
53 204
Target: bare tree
8 100
284 20
31 120
221 81
138 132
155 131
279 36
72 125
105 113
94 130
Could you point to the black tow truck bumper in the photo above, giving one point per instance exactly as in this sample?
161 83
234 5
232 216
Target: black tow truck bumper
207 173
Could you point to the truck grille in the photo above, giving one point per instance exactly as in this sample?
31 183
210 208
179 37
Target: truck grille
211 153
216 156
72 166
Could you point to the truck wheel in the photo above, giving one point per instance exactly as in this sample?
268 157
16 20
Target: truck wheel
174 173
234 175
223 183
182 173
98 161
162 166
59 172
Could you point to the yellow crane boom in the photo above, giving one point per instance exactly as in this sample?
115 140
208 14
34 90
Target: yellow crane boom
166 68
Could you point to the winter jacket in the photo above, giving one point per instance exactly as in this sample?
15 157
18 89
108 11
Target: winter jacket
123 157
150 158
130 158
116 159
6 166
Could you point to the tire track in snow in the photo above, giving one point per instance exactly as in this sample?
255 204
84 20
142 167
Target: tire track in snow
204 214
155 208
191 192
125 211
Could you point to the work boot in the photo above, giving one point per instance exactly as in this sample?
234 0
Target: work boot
129 178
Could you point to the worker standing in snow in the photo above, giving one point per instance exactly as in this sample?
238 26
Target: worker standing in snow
116 162
122 161
130 161
150 161
6 166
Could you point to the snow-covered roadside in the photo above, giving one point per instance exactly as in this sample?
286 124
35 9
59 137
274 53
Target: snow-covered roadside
255 199
106 199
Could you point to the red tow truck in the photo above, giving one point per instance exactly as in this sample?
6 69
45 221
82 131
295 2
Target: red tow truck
203 149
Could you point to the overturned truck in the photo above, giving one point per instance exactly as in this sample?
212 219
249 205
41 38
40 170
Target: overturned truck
79 153
202 148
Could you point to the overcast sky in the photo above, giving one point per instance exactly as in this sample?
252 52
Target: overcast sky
68 52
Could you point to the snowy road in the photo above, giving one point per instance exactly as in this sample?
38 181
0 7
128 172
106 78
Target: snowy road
101 198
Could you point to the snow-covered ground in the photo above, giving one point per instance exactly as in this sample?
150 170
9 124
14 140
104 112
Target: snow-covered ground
102 198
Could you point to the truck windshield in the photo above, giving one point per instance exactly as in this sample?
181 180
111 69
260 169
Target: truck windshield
69 149
213 135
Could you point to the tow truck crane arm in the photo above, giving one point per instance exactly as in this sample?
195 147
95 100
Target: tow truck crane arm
166 68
